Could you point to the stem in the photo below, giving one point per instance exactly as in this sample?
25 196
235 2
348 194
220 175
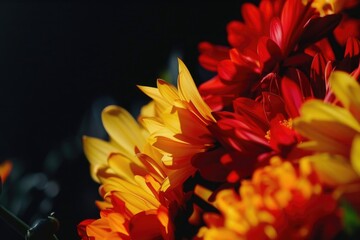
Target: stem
16 223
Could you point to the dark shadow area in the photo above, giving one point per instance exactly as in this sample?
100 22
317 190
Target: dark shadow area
61 63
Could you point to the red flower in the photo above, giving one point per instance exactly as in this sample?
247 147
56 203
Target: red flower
251 134
272 37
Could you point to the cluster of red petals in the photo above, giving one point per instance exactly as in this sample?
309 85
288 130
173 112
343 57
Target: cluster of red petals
274 36
279 57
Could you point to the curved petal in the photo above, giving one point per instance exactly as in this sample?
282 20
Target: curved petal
333 169
124 167
97 152
347 90
168 91
189 92
123 129
355 153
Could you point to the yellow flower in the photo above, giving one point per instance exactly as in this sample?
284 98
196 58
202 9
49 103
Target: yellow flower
131 173
281 201
143 166
333 131
177 120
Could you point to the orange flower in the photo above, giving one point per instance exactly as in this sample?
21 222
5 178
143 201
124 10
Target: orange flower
5 169
143 167
281 201
131 173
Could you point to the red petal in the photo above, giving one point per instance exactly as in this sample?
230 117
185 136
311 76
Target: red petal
317 28
210 166
252 16
146 225
273 105
292 96
276 32
352 48
227 70
237 34
269 54
81 228
252 111
317 76
211 55
348 27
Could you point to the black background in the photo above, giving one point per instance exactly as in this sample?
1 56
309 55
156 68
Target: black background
60 64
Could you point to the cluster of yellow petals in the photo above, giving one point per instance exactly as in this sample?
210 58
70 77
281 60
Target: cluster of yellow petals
145 162
177 120
129 169
333 131
281 201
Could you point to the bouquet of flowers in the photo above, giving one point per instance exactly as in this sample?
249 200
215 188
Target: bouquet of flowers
269 148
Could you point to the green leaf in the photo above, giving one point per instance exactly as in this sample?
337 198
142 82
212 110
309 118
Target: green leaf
351 219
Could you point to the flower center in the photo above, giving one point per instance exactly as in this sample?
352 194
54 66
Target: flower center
286 123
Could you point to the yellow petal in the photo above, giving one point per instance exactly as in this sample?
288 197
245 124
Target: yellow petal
123 129
143 183
135 197
188 126
189 92
177 178
329 128
355 154
97 152
124 167
317 111
154 93
333 169
167 91
347 90
116 223
152 166
148 110
203 193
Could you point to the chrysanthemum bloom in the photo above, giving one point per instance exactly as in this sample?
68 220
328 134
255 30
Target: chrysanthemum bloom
333 133
131 173
178 125
281 201
257 129
329 127
273 37
250 135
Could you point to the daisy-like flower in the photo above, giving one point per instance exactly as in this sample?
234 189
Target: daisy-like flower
143 167
131 173
281 201
333 133
257 129
178 125
331 128
272 38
